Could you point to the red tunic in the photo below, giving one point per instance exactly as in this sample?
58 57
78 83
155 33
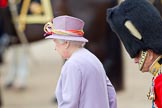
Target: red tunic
158 91
3 3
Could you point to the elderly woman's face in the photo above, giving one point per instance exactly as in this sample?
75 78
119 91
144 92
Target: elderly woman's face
60 47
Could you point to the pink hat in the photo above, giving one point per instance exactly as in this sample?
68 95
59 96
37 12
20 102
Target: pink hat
65 28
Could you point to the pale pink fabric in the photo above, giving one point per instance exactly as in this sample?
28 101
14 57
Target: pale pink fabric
68 23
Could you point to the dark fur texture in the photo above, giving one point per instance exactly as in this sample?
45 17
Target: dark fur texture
145 18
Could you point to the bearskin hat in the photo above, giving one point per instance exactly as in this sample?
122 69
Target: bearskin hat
138 24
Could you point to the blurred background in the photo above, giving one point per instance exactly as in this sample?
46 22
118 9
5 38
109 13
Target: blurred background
30 67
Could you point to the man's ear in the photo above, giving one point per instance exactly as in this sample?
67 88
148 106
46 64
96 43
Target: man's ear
150 55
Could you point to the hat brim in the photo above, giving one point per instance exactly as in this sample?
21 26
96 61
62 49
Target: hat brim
70 38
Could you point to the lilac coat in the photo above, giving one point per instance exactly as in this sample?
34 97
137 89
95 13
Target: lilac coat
83 83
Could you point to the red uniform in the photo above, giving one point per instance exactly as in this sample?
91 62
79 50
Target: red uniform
3 3
158 91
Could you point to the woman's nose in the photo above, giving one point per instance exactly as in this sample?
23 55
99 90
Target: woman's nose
54 48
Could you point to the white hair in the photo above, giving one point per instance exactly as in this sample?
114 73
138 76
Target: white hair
76 43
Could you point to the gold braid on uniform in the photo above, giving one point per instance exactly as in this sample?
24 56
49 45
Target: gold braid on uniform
155 70
156 67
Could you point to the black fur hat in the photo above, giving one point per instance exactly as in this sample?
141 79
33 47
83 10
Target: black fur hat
138 24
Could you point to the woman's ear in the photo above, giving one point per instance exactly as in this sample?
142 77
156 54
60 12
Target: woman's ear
67 44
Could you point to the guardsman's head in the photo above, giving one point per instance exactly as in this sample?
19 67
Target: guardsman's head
138 24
